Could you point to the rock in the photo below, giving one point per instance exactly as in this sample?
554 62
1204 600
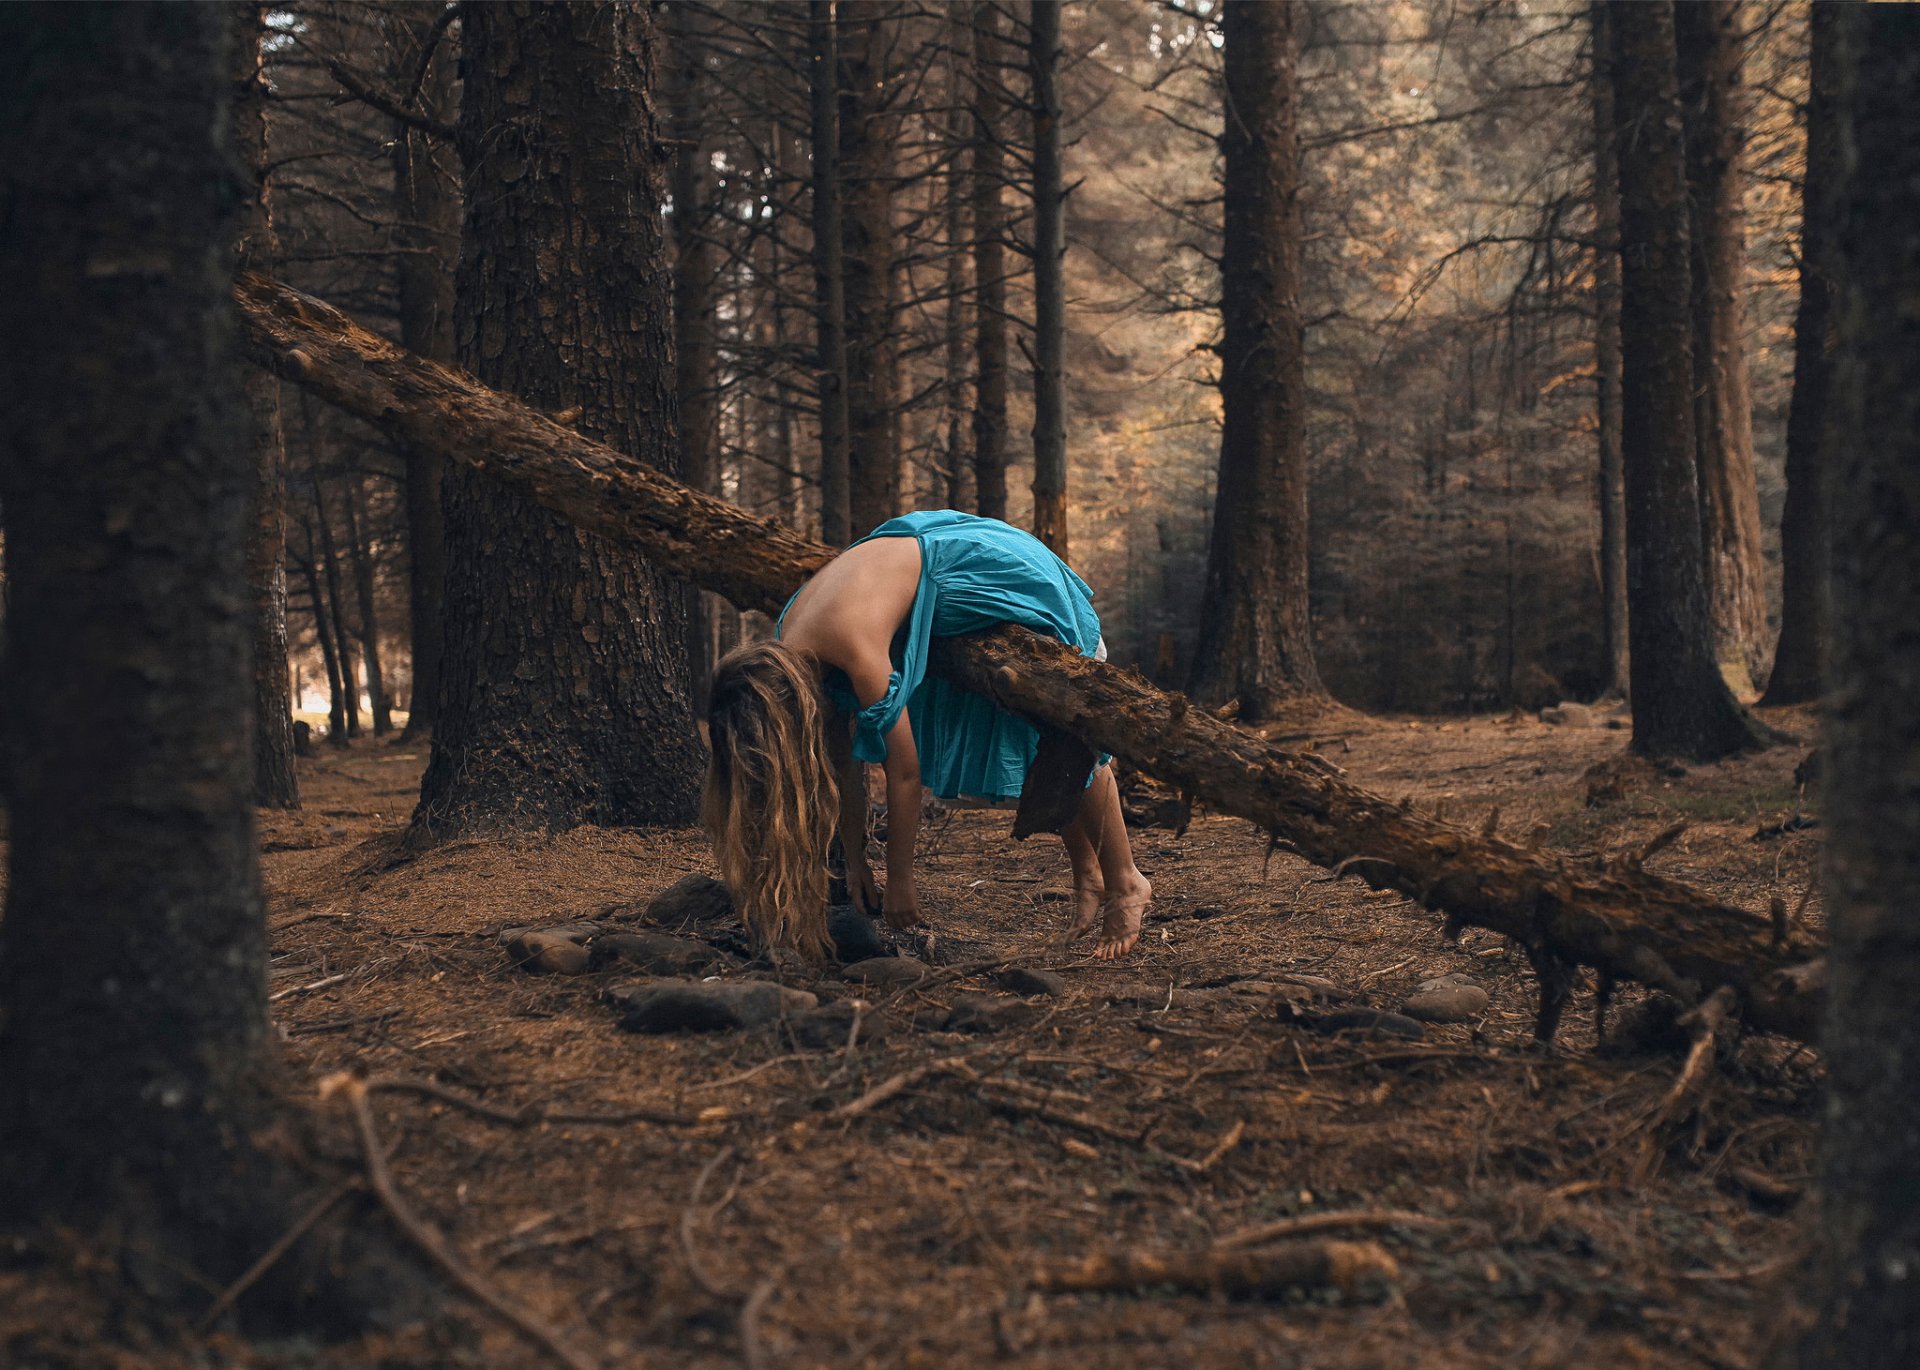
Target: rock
657 953
856 937
690 899
547 953
1568 715
1029 982
885 972
987 1013
1450 999
827 1026
705 1005
1369 1022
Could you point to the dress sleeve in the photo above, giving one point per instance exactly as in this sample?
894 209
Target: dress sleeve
872 724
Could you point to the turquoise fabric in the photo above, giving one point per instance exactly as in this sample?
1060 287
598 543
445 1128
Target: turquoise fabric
974 573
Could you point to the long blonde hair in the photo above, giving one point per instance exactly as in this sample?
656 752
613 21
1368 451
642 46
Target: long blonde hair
771 793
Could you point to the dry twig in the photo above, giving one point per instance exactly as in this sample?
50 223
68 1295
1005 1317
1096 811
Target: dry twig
1345 1266
1308 1224
271 1256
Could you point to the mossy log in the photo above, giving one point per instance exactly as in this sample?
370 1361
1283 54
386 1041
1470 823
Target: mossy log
1566 911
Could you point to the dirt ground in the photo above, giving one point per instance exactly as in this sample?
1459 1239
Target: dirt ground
1162 1103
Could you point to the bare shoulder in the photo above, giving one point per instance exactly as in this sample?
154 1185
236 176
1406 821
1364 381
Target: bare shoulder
848 613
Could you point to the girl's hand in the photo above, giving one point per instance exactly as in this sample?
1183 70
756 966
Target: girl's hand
864 889
901 906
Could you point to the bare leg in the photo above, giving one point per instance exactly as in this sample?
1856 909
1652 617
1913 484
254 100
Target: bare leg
1089 885
1126 892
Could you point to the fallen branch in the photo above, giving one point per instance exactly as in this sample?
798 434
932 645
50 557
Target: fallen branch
431 1242
1307 1225
1565 910
1705 1024
896 1084
271 1256
1346 1266
529 1114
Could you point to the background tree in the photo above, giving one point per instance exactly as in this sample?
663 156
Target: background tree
1606 361
989 259
1049 282
564 680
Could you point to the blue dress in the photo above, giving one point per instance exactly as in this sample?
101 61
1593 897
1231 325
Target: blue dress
974 573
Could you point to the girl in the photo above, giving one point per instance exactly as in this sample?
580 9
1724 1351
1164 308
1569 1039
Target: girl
844 683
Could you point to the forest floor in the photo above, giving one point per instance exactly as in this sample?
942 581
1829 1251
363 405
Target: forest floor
1161 1103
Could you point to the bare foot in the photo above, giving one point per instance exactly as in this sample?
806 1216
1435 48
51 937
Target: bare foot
1086 907
1120 914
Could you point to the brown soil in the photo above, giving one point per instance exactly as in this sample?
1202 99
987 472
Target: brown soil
905 1237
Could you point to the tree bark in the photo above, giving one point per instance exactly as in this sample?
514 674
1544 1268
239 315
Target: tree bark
830 276
1799 663
329 654
275 786
1681 704
360 552
1709 50
1049 283
869 125
1869 1277
1256 641
1606 318
990 231
564 682
337 609
1613 915
958 483
427 204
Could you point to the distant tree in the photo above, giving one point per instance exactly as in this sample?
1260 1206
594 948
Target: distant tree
1256 644
1868 1282
1681 704
564 682
1606 319
869 118
1049 282
830 278
1799 663
360 555
1710 43
275 785
990 231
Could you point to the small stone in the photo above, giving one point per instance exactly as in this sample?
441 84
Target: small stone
856 937
987 1013
885 972
1370 1022
690 899
547 953
1029 982
1447 1000
705 1005
827 1026
1568 715
657 953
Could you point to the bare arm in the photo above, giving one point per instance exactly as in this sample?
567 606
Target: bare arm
902 902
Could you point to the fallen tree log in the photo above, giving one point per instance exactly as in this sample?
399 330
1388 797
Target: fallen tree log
1612 915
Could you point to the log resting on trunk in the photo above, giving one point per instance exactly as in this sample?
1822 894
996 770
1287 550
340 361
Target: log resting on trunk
1566 911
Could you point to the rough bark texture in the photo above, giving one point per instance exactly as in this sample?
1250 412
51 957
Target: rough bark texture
1256 643
1049 284
1635 925
1606 319
830 275
1799 662
869 125
1709 44
336 619
1681 704
274 783
1869 1201
564 686
427 204
989 263
360 553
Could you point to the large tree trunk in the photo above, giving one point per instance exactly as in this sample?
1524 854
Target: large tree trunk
136 1101
830 274
1799 663
990 231
427 204
1709 45
274 784
957 487
564 683
1681 704
868 127
1613 915
1869 1211
1256 643
1049 283
1606 323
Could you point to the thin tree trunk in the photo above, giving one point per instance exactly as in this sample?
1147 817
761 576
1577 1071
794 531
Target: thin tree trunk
1049 283
1681 704
360 552
1868 1281
329 654
990 231
1256 643
956 485
337 608
1708 39
564 685
1799 663
829 262
427 203
275 785
867 129
1606 311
